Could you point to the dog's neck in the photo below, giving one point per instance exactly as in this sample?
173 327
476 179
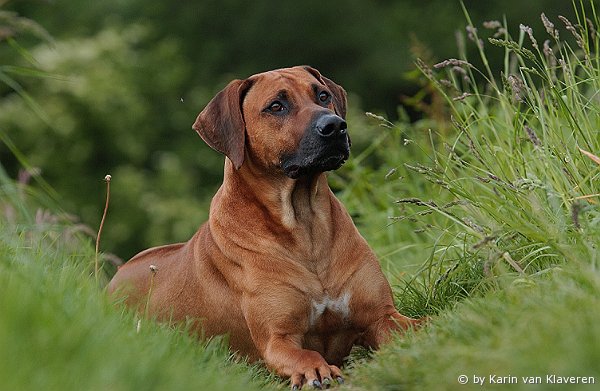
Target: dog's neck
297 201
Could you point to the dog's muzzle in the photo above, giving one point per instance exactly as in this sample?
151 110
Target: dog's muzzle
330 125
325 146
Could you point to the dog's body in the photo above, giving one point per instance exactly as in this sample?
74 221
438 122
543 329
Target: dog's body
279 266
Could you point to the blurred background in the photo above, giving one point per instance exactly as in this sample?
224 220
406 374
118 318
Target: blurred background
113 87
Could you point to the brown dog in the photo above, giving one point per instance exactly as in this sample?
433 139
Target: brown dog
279 266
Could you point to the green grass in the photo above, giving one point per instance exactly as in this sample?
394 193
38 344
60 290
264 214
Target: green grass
59 331
488 222
531 327
494 227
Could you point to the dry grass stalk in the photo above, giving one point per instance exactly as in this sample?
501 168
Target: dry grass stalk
96 262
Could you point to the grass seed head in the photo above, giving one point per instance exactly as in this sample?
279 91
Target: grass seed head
495 25
492 24
549 26
575 210
453 62
518 88
425 69
573 31
461 97
591 27
472 34
529 32
549 53
532 136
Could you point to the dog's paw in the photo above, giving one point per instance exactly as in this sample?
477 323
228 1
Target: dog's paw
313 371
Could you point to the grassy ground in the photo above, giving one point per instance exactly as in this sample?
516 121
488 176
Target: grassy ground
489 223
59 331
508 208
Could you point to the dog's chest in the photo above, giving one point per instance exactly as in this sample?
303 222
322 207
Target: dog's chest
327 309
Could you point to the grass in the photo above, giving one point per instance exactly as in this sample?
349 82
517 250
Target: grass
531 327
58 330
488 222
496 226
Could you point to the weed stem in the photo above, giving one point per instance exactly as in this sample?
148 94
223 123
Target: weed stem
96 262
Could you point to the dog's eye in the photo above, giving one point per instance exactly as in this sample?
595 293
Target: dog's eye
324 96
276 106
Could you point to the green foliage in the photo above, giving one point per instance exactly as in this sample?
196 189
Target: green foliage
102 121
351 41
513 192
127 85
490 220
58 331
530 328
511 203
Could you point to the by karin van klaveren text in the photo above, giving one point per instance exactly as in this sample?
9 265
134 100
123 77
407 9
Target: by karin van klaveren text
544 379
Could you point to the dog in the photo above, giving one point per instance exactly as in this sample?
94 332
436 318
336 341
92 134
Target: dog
280 267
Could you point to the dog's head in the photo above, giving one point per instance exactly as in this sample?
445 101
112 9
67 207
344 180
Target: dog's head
289 120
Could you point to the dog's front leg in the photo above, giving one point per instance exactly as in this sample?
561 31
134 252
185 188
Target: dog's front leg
278 328
380 331
285 355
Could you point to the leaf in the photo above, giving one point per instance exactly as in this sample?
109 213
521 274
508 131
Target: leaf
33 105
30 72
22 52
591 156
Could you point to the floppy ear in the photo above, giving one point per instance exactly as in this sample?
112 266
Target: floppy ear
339 94
221 124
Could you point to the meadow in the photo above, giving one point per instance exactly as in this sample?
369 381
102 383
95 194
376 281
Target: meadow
485 215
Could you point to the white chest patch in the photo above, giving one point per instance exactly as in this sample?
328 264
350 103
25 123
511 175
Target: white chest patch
341 306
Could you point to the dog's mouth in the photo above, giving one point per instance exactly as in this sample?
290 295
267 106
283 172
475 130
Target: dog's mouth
297 167
317 152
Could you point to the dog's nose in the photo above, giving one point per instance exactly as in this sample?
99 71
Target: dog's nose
330 125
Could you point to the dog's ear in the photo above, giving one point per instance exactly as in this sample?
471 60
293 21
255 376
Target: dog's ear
339 94
221 124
